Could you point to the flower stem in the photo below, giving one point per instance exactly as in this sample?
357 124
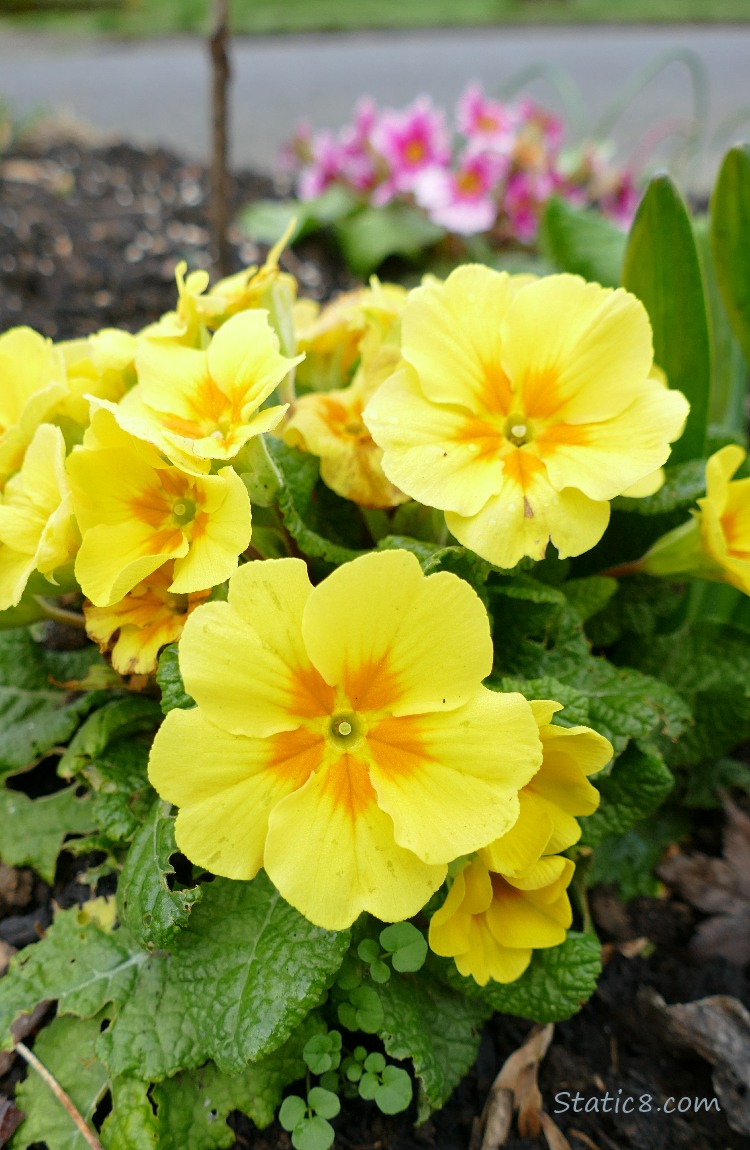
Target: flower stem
60 1095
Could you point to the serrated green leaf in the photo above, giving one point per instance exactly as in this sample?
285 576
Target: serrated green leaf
637 785
169 678
132 1124
372 234
122 794
582 241
242 974
434 1025
730 239
66 1049
662 268
120 718
146 906
637 607
555 985
258 471
34 830
35 714
192 1107
300 472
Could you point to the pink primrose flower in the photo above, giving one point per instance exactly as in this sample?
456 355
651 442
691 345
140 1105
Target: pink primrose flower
463 200
410 141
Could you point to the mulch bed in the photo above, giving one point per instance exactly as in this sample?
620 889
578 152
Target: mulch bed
89 237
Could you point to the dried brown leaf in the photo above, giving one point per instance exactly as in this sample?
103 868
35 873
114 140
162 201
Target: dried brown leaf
719 888
10 1119
718 1029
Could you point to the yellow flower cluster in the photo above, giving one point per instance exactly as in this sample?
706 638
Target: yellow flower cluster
116 454
343 738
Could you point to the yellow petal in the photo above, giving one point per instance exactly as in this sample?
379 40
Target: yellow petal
527 514
244 661
220 534
574 349
224 798
387 634
450 781
451 336
526 841
441 454
331 852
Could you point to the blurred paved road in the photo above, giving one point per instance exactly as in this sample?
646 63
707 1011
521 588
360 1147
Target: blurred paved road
158 91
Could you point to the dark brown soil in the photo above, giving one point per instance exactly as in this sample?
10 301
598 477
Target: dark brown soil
89 237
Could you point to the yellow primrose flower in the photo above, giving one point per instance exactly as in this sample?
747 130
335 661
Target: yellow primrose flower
136 511
558 794
490 924
32 382
144 621
522 410
715 543
342 737
349 329
102 365
37 529
200 311
196 406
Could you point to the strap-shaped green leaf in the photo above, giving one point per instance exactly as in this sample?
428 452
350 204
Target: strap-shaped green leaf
730 240
661 267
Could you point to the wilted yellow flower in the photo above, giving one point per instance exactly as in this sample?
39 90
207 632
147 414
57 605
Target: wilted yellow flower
491 924
32 383
521 411
715 543
136 511
137 627
37 529
102 365
342 737
196 406
349 329
201 311
558 794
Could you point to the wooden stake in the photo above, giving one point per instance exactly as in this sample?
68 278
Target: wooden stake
220 182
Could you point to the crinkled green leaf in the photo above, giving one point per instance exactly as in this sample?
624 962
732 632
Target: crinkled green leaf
146 905
662 268
35 714
77 964
709 664
628 860
626 704
575 704
684 483
66 1049
637 607
120 718
240 977
434 557
131 1124
34 830
193 1106
557 983
122 794
589 596
300 474
434 1025
582 241
637 784
169 678
730 238
372 234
